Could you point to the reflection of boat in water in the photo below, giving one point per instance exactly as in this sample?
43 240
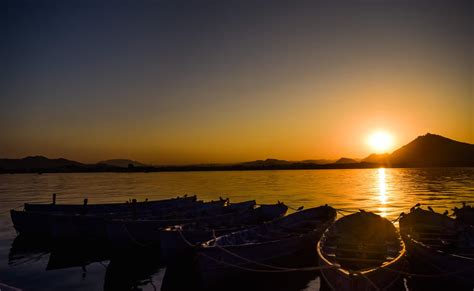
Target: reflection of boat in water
134 272
81 256
25 250
361 251
444 247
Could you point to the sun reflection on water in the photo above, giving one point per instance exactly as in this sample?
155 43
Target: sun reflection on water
382 186
382 191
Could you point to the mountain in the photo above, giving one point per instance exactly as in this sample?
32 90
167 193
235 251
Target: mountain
429 150
433 150
265 163
122 163
318 162
377 159
37 162
346 161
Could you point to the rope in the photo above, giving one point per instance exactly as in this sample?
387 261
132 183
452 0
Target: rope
340 212
267 271
289 207
369 280
427 275
248 260
275 268
103 265
152 284
397 219
133 239
345 210
186 241
463 257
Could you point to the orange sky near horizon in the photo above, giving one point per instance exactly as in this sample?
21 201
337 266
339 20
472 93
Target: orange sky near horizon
218 83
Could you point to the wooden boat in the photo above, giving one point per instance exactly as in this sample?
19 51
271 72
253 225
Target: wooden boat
126 234
464 215
93 227
445 247
178 239
361 251
131 206
66 225
277 243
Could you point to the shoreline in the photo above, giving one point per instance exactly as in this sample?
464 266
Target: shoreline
238 168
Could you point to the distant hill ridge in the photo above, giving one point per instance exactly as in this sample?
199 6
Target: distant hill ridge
37 162
346 161
124 163
429 150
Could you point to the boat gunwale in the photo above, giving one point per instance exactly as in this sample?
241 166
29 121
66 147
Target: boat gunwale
234 246
432 249
179 227
366 271
409 231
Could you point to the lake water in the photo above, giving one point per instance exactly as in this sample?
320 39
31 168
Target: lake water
387 192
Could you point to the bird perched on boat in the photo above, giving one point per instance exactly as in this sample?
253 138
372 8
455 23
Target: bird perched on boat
415 207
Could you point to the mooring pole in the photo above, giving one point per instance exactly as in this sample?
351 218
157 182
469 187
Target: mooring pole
134 208
84 206
54 198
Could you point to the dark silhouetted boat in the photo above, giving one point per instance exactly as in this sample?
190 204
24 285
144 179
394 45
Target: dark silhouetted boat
465 214
444 246
271 246
126 234
177 239
67 225
93 227
361 251
128 206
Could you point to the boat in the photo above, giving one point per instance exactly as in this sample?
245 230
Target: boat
129 206
465 214
93 227
126 234
274 245
67 225
442 244
176 240
361 251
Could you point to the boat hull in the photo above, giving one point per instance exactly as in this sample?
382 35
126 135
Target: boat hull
380 279
217 265
31 224
443 265
179 241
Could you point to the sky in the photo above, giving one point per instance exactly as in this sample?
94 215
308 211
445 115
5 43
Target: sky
179 82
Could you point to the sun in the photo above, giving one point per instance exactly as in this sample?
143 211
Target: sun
380 141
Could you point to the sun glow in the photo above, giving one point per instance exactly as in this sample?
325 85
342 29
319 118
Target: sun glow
380 141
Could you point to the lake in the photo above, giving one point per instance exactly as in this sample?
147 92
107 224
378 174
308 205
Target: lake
387 192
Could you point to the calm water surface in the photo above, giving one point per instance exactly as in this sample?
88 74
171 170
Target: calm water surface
387 192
